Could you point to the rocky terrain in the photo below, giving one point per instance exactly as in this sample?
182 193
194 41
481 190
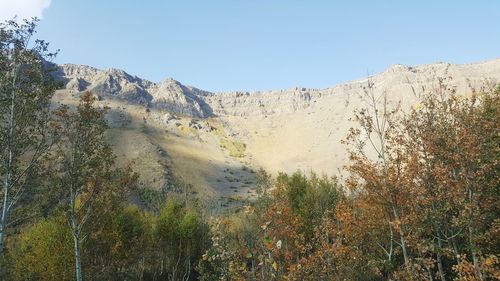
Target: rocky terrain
215 141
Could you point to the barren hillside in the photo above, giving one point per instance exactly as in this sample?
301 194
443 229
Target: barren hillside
215 141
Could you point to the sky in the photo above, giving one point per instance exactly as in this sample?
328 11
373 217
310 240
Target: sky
226 45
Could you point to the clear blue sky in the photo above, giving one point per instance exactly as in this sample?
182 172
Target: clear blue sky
222 45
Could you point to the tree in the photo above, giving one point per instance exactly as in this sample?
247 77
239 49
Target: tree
43 252
116 248
26 88
455 168
118 243
84 167
263 182
377 168
180 238
273 234
428 194
131 237
218 261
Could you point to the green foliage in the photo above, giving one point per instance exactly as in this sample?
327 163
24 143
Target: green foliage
235 148
166 246
309 198
44 251
261 241
153 199
263 182
83 164
113 251
181 238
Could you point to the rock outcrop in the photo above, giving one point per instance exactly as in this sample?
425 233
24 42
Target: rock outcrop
113 83
398 80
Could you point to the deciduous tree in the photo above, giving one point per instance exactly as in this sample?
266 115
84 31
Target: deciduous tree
84 167
26 88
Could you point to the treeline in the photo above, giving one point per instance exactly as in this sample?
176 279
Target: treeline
419 199
126 243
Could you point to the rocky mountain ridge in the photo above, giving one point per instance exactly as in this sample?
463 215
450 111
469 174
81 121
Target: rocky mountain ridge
114 83
175 97
157 126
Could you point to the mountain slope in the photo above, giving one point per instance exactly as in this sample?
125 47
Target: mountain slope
214 141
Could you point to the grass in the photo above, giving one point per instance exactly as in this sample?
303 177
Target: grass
187 130
235 148
234 198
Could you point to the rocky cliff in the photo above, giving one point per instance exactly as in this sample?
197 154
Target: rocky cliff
281 130
175 97
113 83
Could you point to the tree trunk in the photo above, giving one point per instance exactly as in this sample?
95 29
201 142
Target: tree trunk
1 250
3 223
440 265
438 252
141 269
455 249
403 247
475 260
472 244
8 175
78 261
401 238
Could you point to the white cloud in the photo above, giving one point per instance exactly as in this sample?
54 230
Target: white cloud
24 9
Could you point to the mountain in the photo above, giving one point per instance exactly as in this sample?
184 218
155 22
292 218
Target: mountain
114 83
215 141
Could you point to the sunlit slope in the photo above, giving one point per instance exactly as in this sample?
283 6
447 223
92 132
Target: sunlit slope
214 142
